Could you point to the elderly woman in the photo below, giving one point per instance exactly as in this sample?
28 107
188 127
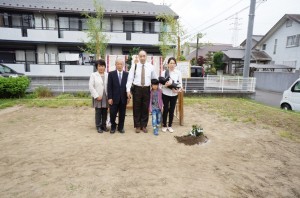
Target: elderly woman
98 89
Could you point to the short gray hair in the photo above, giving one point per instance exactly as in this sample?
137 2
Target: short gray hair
119 59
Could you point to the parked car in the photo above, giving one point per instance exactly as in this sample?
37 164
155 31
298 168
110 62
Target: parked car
197 71
291 97
6 71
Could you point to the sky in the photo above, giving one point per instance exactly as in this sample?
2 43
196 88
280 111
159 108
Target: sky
198 15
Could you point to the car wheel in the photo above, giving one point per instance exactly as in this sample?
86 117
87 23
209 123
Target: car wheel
286 106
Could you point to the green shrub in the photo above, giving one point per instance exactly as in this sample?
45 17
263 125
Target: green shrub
82 95
13 87
43 92
64 96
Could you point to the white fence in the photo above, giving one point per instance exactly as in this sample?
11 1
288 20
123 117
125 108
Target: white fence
220 84
209 84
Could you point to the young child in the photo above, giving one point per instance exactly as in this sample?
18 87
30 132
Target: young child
156 105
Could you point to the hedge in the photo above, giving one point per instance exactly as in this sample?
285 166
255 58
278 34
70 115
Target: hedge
13 87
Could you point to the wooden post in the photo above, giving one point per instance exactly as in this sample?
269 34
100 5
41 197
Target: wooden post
180 98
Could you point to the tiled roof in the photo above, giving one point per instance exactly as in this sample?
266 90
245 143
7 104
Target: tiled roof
75 6
202 51
235 53
260 55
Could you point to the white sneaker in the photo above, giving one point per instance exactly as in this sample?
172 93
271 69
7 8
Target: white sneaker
170 129
164 129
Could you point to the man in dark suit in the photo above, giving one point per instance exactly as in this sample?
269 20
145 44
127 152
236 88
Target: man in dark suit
117 96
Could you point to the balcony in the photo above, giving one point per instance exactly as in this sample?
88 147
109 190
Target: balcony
51 36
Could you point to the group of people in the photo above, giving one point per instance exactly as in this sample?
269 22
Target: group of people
149 94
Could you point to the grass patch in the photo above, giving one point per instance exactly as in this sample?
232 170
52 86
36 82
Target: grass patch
288 135
250 112
62 100
5 103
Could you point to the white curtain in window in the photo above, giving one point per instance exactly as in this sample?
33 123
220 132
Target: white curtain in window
138 25
20 55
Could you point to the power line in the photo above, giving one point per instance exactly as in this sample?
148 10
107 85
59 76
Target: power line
216 16
188 35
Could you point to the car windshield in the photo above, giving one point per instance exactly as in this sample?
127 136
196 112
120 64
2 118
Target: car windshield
4 69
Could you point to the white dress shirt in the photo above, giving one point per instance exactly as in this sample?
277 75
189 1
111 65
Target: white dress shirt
149 74
175 75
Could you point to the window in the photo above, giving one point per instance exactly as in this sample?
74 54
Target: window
292 41
128 26
289 23
64 22
275 46
106 26
149 27
264 46
84 25
16 20
27 20
296 87
138 26
74 23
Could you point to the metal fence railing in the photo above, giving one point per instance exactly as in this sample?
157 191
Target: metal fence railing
219 84
209 84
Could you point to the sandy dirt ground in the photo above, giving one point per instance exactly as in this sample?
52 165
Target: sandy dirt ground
48 152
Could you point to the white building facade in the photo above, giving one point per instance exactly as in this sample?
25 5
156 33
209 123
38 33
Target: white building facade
43 34
282 42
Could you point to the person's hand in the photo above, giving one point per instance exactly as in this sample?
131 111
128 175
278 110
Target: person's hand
128 100
175 90
168 83
136 60
129 95
110 101
99 98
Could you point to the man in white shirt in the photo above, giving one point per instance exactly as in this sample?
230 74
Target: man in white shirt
139 77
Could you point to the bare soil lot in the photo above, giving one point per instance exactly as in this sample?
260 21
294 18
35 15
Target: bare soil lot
56 152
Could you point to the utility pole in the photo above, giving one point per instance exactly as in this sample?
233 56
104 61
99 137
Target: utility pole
196 58
249 39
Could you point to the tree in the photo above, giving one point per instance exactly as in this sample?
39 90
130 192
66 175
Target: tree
201 60
133 51
209 58
170 31
182 58
218 60
97 40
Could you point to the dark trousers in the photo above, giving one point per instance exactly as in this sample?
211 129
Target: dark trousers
114 110
100 117
141 99
169 107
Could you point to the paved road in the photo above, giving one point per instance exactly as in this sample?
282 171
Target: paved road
267 97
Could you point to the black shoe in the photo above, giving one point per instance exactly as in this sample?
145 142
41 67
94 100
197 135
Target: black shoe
112 131
104 129
121 131
100 130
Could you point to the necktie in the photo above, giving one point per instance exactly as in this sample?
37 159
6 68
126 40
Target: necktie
120 78
143 76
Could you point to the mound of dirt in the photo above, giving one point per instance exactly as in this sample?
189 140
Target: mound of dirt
191 140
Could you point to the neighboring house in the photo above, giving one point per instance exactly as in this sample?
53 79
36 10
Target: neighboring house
44 32
255 40
204 49
282 41
234 59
